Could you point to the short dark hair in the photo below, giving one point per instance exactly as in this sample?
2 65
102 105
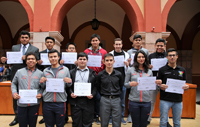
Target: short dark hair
23 32
95 35
137 36
108 54
145 64
49 38
70 43
82 54
118 39
30 53
160 40
53 51
172 50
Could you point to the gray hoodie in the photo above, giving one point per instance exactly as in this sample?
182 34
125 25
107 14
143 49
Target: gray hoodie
135 95
56 96
24 79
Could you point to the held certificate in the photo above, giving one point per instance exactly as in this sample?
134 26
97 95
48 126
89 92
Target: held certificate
14 57
94 61
146 83
175 86
158 63
27 96
55 85
132 58
44 57
82 89
119 61
69 57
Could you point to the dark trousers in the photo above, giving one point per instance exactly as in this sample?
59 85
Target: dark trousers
28 115
139 113
15 109
66 114
97 98
54 113
82 113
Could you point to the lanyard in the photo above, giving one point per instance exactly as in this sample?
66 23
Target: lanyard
82 77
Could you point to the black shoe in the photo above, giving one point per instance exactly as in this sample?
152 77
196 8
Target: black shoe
41 121
14 122
148 122
98 121
168 125
198 102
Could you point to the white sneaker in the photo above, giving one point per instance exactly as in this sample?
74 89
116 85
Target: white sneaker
129 120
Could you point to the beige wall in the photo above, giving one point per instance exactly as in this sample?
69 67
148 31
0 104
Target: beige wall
85 34
196 54
31 3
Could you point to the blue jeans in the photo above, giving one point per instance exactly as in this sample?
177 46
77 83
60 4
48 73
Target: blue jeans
176 112
122 97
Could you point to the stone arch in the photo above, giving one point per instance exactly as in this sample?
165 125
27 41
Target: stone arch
190 32
5 33
28 9
88 24
173 32
130 7
165 13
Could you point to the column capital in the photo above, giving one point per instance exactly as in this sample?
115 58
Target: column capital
38 39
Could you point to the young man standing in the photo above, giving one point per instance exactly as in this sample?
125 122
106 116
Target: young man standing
54 102
137 45
119 52
171 100
27 78
25 47
95 49
82 107
160 46
110 84
49 43
70 47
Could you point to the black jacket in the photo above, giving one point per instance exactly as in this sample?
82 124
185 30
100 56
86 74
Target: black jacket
92 80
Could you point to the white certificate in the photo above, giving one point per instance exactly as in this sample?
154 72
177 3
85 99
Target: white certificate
55 85
44 57
69 57
132 58
158 63
14 57
175 86
27 96
146 83
119 61
82 89
94 61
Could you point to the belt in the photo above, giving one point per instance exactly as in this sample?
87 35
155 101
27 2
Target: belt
111 96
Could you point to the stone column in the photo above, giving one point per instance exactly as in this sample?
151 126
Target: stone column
38 39
149 39
185 60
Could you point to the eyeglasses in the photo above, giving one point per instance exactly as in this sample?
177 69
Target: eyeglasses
172 55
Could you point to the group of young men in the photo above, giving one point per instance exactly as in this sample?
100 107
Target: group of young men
107 99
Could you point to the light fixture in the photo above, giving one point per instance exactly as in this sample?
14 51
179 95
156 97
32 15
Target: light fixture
95 23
